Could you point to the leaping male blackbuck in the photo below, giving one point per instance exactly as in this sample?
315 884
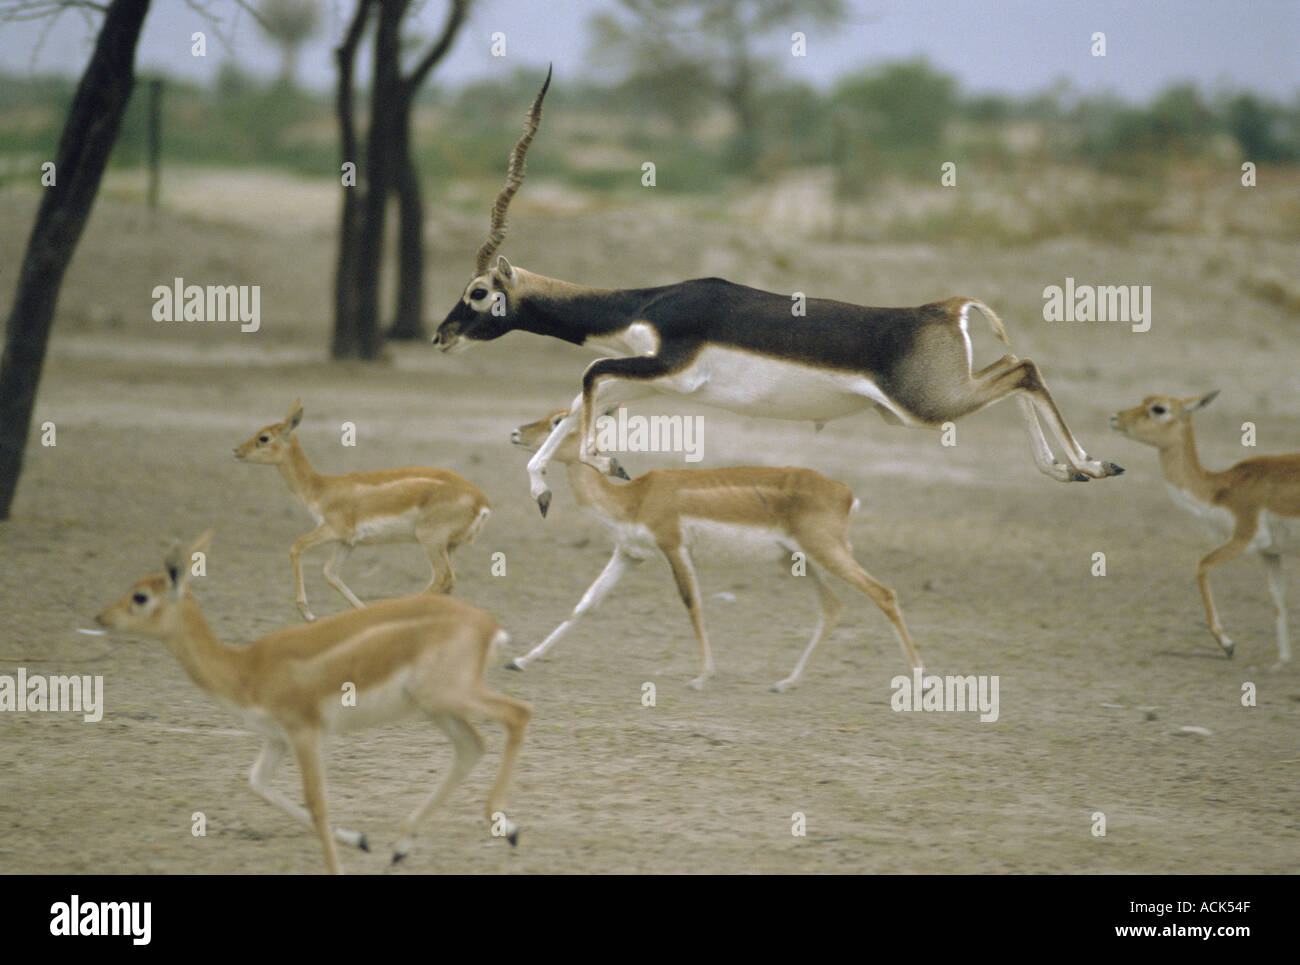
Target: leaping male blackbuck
748 510
746 350
1254 505
421 655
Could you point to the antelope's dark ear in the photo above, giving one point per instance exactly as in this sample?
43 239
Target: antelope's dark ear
504 269
294 415
1200 403
178 563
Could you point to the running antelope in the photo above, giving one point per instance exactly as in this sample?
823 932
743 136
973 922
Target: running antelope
750 351
434 507
1254 505
416 655
748 510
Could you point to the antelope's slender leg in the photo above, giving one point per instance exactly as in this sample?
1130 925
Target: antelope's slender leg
689 588
341 552
260 777
609 577
322 534
831 608
1277 590
306 747
1229 551
467 747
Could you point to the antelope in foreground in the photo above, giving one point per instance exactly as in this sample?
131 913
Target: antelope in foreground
1254 504
748 510
435 507
749 351
421 654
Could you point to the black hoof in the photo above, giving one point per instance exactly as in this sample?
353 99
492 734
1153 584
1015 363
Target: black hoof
544 503
513 838
616 470
1079 477
1114 470
513 665
1229 649
363 844
398 856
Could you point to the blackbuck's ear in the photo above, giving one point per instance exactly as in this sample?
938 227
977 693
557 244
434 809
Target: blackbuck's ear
178 562
1201 403
503 269
293 416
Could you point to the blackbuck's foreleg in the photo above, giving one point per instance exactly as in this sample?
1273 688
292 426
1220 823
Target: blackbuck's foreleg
609 382
618 565
260 777
831 608
467 747
542 457
1229 551
341 552
1277 590
319 536
689 588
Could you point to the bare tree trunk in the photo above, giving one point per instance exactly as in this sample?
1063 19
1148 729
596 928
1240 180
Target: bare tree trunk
380 168
87 140
408 319
345 271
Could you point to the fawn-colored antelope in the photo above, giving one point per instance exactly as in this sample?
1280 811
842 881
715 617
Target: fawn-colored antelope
418 655
435 507
1254 505
747 510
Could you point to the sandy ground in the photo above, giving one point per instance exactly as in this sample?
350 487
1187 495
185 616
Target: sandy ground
991 560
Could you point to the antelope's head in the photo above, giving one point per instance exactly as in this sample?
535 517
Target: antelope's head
485 307
1160 420
152 606
270 444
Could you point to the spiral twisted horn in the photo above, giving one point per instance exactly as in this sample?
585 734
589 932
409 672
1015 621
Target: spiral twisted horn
514 178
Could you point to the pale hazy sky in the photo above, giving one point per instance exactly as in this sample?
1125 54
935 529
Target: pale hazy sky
1010 46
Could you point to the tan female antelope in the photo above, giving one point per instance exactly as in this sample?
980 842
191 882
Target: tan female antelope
434 507
751 351
417 655
746 509
1254 505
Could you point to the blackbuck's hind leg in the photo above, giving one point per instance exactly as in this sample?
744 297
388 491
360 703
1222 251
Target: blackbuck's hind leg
689 588
341 552
1024 377
609 576
837 559
1277 590
467 747
260 777
1229 551
831 608
436 546
514 715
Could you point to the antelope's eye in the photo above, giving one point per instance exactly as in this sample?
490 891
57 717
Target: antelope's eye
263 439
1158 410
478 293
139 598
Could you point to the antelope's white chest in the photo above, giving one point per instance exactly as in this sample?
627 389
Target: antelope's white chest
758 385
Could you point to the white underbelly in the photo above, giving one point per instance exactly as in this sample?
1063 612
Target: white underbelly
760 386
387 529
377 705
707 537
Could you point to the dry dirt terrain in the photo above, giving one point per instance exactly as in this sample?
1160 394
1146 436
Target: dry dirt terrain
991 560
